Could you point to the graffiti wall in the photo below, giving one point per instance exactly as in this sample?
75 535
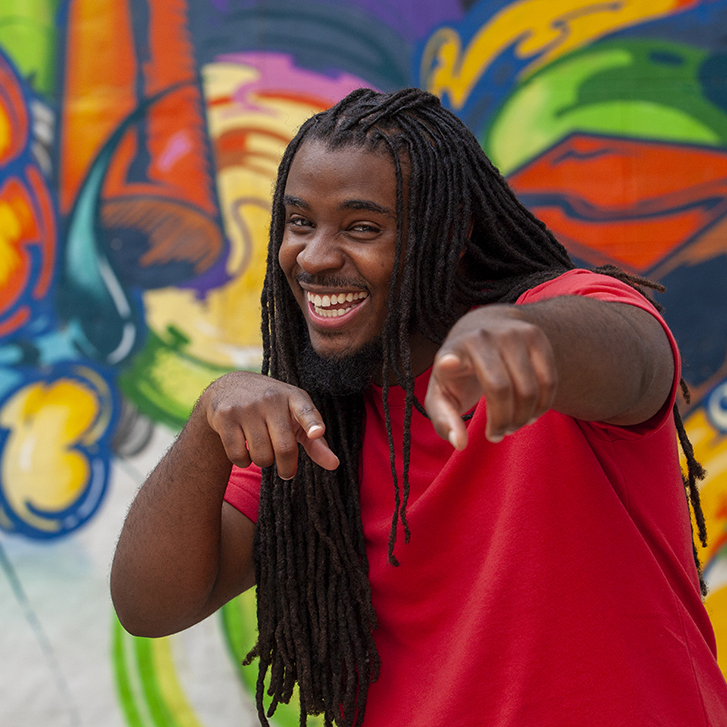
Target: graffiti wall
139 141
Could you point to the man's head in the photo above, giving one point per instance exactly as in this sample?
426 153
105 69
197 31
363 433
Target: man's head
387 202
339 244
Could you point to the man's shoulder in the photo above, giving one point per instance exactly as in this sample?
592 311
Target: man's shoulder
580 281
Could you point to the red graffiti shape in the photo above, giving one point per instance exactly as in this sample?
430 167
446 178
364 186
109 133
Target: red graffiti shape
625 201
13 114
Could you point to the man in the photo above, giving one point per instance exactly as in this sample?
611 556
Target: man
437 367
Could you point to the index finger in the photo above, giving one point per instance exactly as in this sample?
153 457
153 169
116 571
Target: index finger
312 429
446 400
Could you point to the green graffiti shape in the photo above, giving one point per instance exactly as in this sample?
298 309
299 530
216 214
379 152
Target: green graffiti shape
239 624
636 89
28 35
146 680
164 382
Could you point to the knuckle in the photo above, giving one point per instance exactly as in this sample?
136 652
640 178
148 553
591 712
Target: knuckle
270 395
529 393
257 441
264 459
237 453
550 381
307 408
241 461
287 449
228 412
234 450
484 336
499 388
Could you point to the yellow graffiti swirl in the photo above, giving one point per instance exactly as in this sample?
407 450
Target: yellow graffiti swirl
42 471
539 29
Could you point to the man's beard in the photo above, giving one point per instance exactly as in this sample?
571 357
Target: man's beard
341 375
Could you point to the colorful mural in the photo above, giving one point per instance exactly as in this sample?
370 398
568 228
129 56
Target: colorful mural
139 141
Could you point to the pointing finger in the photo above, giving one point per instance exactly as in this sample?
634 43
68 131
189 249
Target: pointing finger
444 401
311 432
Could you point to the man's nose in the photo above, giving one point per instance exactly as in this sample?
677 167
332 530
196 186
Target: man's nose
321 252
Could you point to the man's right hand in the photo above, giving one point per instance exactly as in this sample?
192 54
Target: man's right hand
184 552
262 420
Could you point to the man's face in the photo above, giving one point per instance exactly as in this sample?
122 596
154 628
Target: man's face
339 243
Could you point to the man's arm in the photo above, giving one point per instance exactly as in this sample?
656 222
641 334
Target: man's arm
590 359
183 552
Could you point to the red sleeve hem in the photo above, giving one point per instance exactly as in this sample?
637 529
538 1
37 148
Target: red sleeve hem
243 490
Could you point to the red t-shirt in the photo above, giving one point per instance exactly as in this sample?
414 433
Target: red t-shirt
549 579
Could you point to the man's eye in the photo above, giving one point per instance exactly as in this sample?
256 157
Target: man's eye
364 228
299 222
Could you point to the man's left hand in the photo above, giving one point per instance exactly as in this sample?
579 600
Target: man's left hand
492 353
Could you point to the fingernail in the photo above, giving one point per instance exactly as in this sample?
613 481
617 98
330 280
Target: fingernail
496 438
532 421
452 438
449 357
314 429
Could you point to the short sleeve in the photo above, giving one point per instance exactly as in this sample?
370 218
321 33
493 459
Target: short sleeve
243 490
609 289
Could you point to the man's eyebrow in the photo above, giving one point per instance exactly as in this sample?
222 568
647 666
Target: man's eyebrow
365 204
291 201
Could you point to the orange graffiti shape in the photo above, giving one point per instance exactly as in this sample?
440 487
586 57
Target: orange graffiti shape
13 115
26 222
625 201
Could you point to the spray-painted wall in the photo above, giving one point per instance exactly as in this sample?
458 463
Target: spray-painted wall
138 145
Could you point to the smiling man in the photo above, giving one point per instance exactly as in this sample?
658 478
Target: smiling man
455 482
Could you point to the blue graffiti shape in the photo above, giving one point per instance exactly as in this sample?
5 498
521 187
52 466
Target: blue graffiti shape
717 407
98 311
330 39
691 290
55 449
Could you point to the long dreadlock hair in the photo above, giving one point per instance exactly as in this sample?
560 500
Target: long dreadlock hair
473 243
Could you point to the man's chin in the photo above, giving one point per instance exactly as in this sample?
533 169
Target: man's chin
339 373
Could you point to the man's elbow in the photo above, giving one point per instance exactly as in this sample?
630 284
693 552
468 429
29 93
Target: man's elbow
140 613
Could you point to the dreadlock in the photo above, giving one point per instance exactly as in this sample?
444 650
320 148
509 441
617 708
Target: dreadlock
473 243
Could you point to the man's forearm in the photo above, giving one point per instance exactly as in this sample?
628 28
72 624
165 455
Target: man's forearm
593 360
614 360
183 552
167 557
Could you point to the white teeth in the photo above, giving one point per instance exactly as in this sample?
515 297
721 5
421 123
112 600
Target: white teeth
323 303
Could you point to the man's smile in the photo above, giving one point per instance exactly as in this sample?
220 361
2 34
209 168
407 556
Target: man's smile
334 305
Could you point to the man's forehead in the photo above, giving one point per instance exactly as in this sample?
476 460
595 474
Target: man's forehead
355 176
354 153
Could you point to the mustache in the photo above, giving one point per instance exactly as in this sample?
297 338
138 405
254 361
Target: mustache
330 281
